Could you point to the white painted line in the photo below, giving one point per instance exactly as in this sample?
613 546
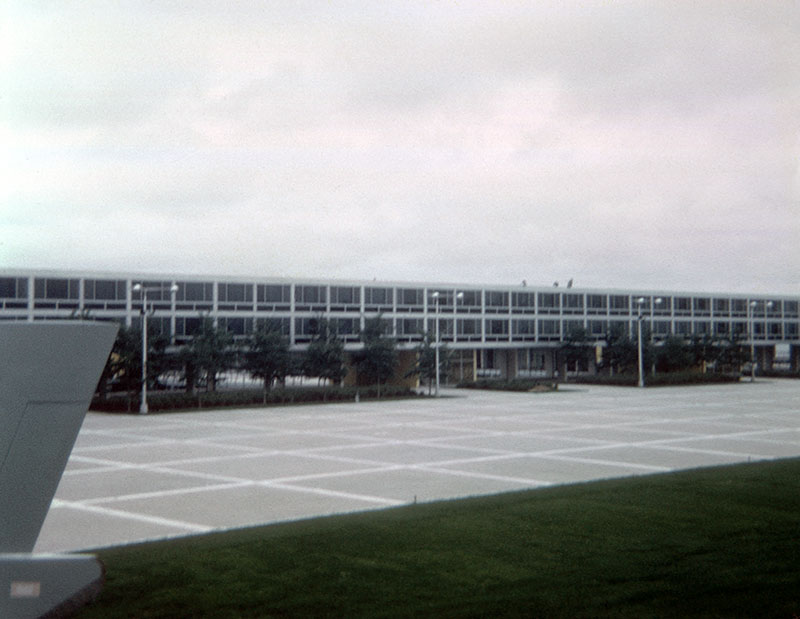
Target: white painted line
533 483
333 493
628 465
157 494
167 522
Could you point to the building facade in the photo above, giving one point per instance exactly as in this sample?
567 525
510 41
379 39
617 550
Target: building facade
502 331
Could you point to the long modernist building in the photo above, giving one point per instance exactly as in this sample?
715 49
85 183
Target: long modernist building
493 330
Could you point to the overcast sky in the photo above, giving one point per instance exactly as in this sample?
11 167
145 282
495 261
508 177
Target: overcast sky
649 145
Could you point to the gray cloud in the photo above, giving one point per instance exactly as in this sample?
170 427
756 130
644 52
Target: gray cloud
622 144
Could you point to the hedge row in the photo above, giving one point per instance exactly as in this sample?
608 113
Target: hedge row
659 380
516 384
778 374
179 400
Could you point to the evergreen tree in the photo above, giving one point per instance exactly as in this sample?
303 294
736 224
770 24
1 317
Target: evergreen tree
674 355
425 365
267 357
376 362
211 351
620 353
576 348
324 357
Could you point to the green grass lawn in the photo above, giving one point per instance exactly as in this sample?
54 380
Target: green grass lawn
718 542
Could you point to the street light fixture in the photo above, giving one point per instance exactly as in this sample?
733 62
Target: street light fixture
656 301
459 297
639 303
143 409
435 296
751 307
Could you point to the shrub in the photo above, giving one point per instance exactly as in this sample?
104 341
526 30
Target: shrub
515 384
659 380
779 373
175 401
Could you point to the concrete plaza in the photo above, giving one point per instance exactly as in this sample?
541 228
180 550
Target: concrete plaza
133 478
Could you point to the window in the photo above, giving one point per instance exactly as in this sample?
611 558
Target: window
304 328
273 294
191 291
470 301
722 307
573 303
596 303
549 330
549 303
235 293
56 293
496 328
104 289
702 307
345 295
496 301
409 328
381 298
158 295
619 304
683 306
55 288
445 328
790 309
774 308
530 361
523 301
664 308
410 297
310 295
469 328
445 299
13 288
597 328
486 359
523 329
739 307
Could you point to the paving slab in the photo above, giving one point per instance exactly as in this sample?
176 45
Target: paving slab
138 477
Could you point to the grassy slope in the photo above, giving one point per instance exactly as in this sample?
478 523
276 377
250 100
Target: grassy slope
706 543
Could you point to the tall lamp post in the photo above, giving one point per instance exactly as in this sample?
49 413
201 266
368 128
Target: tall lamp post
639 303
435 296
751 308
459 297
143 409
656 301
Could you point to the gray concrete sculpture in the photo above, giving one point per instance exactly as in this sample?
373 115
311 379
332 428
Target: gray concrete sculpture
48 372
